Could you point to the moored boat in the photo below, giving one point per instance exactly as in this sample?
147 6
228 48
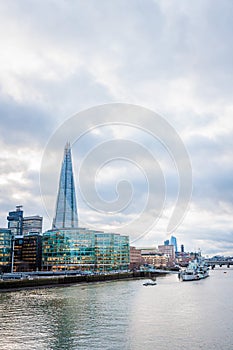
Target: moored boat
196 270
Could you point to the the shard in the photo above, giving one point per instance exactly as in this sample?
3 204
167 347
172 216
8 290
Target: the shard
66 215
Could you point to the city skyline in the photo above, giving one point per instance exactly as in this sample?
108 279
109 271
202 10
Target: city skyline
170 57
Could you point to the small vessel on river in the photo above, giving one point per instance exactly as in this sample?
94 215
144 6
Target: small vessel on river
150 283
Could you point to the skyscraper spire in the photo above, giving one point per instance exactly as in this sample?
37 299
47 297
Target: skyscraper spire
66 215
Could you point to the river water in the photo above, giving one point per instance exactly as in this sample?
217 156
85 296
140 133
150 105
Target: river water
122 315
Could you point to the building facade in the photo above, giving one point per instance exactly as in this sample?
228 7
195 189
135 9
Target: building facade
32 225
5 250
135 258
157 260
66 215
27 253
15 221
173 241
32 252
169 252
68 249
84 250
112 251
17 260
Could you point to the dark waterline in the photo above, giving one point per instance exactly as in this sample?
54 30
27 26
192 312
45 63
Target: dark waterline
121 315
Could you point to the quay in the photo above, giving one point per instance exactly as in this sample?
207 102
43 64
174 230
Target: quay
25 280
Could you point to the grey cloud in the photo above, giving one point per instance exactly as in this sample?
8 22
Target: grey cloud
23 124
90 55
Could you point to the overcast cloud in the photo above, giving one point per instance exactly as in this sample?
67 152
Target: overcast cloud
174 57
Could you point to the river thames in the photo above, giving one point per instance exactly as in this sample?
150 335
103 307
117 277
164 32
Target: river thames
122 315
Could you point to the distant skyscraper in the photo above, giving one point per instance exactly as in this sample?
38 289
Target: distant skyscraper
15 221
66 215
166 242
32 224
173 241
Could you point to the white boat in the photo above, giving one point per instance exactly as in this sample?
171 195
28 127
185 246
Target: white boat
196 270
150 283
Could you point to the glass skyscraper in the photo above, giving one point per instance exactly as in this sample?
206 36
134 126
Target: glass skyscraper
66 215
69 247
15 221
66 246
173 241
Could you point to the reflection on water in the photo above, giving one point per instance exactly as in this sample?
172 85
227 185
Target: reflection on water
121 315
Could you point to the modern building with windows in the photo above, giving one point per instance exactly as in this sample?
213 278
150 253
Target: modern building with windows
66 246
32 224
66 215
15 221
135 258
5 250
157 260
173 241
121 252
21 228
27 253
17 260
69 247
169 252
112 251
31 252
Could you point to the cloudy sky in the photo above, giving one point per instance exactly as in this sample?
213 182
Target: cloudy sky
174 57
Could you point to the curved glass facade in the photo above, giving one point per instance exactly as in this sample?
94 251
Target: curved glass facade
84 249
68 249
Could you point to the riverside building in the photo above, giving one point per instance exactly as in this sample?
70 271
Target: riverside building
69 247
112 251
25 240
5 250
135 258
31 252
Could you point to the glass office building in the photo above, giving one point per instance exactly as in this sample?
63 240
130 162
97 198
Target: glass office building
173 241
15 221
68 249
31 252
5 250
66 208
112 252
83 249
